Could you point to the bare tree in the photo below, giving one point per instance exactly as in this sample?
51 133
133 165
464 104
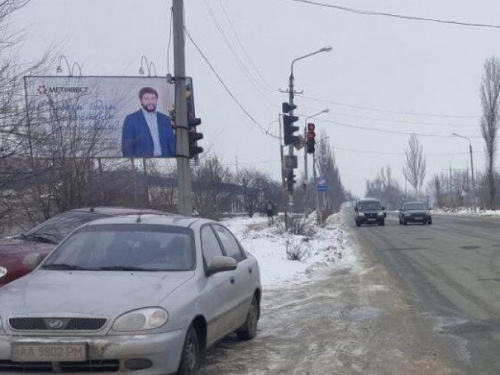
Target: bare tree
385 188
254 186
490 101
414 169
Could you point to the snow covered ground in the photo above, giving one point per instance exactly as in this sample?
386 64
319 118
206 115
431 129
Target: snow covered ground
319 250
464 211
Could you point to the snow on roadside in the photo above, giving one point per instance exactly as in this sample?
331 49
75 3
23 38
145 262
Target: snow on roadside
320 250
464 211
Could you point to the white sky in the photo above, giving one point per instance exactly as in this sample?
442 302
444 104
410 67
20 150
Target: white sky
376 62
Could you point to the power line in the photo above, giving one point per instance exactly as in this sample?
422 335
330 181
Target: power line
385 110
396 153
240 63
400 16
392 131
223 83
269 87
405 121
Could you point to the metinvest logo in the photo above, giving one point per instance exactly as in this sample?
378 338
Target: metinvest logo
43 90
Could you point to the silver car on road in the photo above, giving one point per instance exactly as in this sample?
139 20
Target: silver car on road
141 295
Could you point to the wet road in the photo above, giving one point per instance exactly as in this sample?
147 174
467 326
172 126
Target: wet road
352 320
451 270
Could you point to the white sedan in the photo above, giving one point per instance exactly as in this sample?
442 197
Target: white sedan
143 294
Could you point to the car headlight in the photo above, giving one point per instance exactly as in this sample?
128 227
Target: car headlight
381 213
3 271
407 214
361 214
140 320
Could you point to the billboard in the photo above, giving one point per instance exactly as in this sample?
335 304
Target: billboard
103 117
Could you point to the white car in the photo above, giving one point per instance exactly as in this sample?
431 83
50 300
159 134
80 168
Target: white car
143 294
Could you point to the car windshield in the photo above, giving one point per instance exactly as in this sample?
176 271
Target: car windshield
368 206
415 206
125 247
58 227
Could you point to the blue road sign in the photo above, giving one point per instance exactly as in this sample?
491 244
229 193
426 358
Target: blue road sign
321 184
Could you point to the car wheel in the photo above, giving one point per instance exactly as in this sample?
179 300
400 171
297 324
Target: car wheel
190 359
381 223
249 329
430 222
404 222
358 224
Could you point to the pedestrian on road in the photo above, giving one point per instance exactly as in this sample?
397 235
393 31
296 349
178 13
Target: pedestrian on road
270 212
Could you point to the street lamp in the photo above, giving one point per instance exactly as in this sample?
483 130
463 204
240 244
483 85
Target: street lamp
290 100
149 66
305 137
71 69
472 169
78 66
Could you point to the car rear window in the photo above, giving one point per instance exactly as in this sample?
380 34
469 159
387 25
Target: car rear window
126 247
61 225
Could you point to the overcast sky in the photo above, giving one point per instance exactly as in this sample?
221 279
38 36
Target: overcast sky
380 70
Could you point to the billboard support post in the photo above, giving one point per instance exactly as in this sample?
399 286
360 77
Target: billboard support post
184 186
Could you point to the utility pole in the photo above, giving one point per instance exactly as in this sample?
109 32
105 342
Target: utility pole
290 146
184 186
283 182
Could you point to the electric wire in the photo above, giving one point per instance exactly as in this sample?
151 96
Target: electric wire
230 93
386 110
400 16
250 60
238 60
393 131
169 39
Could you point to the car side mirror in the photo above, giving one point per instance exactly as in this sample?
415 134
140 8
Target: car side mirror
221 264
32 261
3 271
356 209
383 208
430 208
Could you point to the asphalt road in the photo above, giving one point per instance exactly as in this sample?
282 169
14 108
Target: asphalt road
451 272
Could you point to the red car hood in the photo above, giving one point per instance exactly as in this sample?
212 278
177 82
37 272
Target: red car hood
12 253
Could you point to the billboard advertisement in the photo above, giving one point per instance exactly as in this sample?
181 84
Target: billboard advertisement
103 117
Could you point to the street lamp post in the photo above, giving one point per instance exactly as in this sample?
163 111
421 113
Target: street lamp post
472 169
290 100
71 69
305 137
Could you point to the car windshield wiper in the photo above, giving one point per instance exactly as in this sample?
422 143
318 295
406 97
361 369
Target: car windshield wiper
124 268
38 238
63 266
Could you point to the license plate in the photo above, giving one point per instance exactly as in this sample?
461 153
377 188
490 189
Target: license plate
419 218
49 352
371 219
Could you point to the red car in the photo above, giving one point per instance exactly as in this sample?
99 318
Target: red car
44 237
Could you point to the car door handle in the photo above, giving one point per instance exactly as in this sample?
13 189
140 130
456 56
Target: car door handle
250 270
231 279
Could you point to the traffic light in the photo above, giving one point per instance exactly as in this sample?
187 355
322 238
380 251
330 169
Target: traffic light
194 137
311 138
290 180
287 107
289 129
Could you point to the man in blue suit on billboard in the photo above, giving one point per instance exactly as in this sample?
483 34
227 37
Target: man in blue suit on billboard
148 133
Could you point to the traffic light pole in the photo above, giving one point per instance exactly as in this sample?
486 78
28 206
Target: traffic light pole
290 147
184 186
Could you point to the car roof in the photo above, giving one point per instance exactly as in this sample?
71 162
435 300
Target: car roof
151 219
369 200
414 202
117 211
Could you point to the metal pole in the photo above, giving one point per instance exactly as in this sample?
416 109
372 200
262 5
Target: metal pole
283 182
184 188
290 147
135 181
318 220
473 179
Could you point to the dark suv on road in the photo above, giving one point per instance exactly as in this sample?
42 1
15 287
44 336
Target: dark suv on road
44 237
369 211
415 212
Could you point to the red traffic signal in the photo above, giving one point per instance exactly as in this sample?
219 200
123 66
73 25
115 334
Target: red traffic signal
311 138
